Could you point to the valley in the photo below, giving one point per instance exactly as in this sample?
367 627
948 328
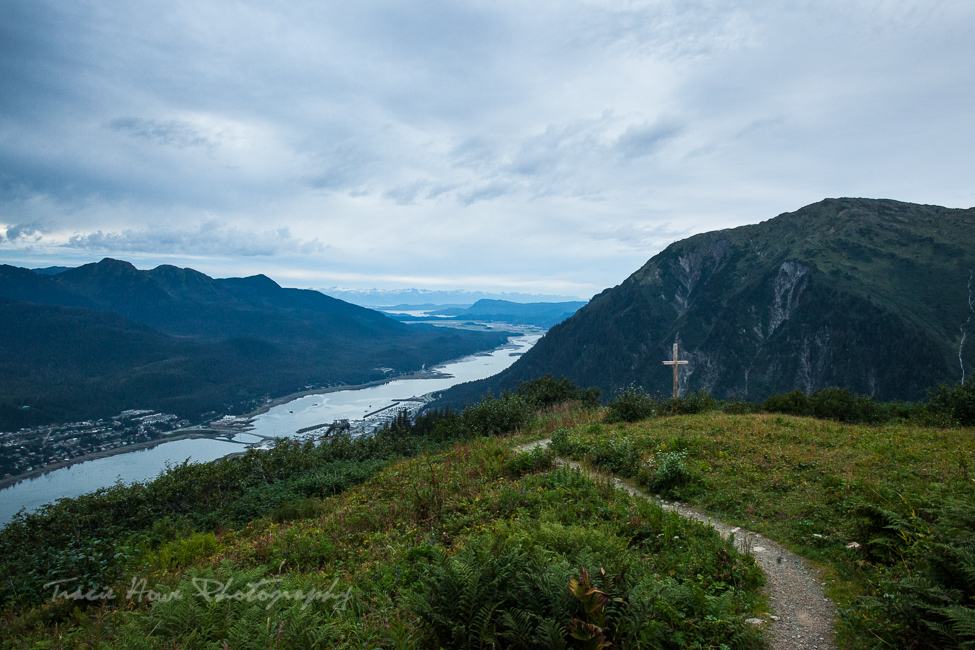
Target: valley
138 452
92 341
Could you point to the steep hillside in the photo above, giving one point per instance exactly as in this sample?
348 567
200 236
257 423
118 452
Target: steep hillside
89 341
871 295
185 302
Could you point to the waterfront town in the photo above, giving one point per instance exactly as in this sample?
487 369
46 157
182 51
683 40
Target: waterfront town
35 448
56 445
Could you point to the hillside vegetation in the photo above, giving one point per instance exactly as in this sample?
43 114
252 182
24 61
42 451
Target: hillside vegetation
469 544
439 534
874 296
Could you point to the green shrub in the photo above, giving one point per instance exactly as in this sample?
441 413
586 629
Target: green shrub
253 611
632 405
699 402
830 404
424 424
494 416
841 405
952 405
538 459
740 408
794 403
615 455
666 471
547 391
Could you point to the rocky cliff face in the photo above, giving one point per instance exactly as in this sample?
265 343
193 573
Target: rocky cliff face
871 295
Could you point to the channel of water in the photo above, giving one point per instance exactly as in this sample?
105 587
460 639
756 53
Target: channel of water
281 421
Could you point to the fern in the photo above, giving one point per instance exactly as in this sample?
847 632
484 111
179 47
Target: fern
931 585
191 621
516 587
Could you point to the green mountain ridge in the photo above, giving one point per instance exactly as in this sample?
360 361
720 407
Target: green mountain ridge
87 342
870 295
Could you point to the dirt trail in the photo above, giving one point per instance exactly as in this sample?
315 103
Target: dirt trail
803 616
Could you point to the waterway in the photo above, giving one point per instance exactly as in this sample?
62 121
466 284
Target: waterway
281 421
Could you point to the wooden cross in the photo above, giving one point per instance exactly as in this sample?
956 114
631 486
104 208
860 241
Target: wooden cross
675 363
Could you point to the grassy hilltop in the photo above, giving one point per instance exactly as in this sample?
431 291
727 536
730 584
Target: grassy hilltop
441 534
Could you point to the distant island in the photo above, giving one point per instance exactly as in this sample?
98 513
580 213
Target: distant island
536 314
384 298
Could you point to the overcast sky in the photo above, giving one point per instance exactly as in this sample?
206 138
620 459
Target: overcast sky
548 147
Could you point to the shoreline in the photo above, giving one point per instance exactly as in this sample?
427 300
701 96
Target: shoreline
430 373
107 453
198 432
433 373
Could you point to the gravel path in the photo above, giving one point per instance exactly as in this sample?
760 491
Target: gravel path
803 618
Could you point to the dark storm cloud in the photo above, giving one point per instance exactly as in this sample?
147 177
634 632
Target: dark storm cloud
25 231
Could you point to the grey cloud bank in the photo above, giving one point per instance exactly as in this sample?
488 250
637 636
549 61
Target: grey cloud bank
464 145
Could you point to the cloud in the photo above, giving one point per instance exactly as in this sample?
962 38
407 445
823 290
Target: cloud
644 139
485 192
211 238
406 194
174 133
592 129
640 236
25 232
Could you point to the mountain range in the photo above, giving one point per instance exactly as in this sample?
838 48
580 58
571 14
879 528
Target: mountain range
420 298
875 296
93 340
537 314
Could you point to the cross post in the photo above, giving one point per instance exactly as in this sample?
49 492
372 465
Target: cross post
675 363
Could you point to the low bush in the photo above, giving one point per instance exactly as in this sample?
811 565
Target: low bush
794 403
741 408
632 405
952 405
424 424
830 404
699 402
220 608
496 415
616 455
841 405
563 445
547 391
538 459
665 472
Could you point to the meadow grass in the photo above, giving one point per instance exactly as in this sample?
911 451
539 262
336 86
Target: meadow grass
471 546
476 545
848 497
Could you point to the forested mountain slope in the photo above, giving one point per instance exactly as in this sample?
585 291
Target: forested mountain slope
871 295
90 341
